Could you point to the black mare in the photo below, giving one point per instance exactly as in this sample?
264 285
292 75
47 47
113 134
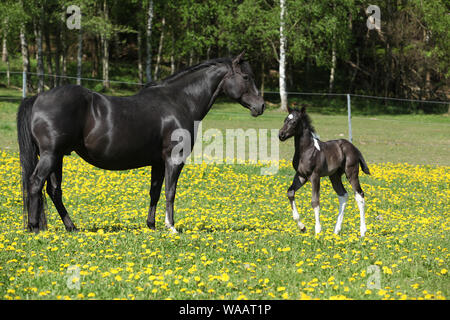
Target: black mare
314 159
120 133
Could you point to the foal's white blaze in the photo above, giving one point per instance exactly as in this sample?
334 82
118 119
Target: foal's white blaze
290 116
342 202
360 201
318 228
296 216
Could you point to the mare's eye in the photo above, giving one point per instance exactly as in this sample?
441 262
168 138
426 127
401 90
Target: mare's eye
245 77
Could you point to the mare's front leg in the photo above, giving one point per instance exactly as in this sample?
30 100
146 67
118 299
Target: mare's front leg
172 173
155 192
297 183
315 203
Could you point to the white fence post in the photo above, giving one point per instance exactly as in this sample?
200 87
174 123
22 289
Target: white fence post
349 111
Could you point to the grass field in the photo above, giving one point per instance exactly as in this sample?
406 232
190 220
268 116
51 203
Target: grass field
238 239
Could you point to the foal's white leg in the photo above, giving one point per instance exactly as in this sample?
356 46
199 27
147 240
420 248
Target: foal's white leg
361 203
318 228
342 202
169 226
296 216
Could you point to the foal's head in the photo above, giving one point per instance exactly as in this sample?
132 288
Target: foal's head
240 86
295 123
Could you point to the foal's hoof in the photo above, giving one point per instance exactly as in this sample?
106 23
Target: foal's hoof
172 230
303 230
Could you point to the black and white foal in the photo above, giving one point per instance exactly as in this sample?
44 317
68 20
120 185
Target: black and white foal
314 159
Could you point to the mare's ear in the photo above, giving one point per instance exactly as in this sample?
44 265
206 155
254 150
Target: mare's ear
239 58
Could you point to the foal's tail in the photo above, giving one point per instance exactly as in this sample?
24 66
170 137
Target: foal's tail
363 163
28 159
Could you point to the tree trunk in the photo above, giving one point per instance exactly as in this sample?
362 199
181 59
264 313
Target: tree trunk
25 54
139 52
5 47
282 66
160 46
191 57
63 34
5 57
333 66
262 78
48 53
95 59
105 47
79 55
148 67
40 62
105 62
172 56
58 53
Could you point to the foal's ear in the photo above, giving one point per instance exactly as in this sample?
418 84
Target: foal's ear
303 110
238 59
289 109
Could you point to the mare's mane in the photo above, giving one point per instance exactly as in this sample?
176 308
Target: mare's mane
188 70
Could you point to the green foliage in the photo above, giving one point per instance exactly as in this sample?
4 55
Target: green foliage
408 58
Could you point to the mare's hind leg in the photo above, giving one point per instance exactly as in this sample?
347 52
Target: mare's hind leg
338 187
172 174
352 176
297 183
55 192
36 215
155 193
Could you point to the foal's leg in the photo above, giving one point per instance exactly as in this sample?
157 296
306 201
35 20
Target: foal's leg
338 187
297 183
172 173
55 192
155 192
315 203
352 175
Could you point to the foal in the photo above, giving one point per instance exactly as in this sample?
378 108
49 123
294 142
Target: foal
314 159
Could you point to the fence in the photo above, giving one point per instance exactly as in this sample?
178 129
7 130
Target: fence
342 102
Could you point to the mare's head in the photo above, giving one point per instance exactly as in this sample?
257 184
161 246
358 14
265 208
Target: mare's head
295 123
240 86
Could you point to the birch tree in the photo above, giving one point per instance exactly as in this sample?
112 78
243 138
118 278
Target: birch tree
282 65
148 67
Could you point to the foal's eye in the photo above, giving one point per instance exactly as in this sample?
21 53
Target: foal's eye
245 77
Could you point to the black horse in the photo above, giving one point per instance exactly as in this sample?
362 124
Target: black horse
120 133
314 159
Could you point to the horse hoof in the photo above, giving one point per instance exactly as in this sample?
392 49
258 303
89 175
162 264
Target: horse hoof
303 229
151 225
72 229
172 229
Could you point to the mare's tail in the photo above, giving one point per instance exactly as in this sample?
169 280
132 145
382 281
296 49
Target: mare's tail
28 159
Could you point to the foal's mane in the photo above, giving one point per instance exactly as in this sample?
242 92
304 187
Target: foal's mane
307 122
188 70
